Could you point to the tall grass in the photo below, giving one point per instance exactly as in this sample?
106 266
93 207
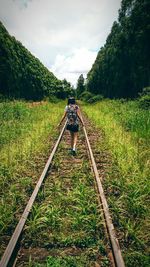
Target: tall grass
27 132
127 134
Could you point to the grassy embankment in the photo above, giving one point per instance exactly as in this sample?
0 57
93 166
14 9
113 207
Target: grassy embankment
27 133
126 134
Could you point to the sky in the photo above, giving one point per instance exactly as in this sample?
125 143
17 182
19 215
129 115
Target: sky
65 35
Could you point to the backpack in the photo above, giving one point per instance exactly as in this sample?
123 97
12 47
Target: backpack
72 115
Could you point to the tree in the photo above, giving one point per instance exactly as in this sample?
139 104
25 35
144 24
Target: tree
80 85
122 66
22 75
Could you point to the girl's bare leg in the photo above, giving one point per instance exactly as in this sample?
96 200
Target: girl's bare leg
75 140
72 139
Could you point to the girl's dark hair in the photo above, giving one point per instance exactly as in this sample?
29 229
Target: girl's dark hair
71 100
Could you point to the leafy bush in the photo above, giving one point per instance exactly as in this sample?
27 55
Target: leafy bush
86 95
53 99
90 98
95 98
2 98
123 100
144 100
145 91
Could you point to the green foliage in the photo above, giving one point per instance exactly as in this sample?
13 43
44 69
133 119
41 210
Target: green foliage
2 98
144 100
122 66
126 130
67 261
25 128
145 91
90 98
80 86
135 259
95 99
23 76
86 95
68 219
52 99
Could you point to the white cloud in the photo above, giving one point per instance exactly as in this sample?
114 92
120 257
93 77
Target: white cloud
49 28
22 3
70 67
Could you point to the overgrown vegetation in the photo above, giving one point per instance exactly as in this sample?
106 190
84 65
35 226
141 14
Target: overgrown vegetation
144 99
126 130
66 261
90 98
122 66
23 76
66 215
25 129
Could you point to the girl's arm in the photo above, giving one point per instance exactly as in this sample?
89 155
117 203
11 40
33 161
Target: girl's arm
64 115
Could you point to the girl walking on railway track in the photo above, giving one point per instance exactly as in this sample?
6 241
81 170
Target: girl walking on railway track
72 112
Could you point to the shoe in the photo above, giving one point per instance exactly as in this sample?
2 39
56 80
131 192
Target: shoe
74 153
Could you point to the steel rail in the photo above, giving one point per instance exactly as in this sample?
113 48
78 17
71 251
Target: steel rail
113 239
7 256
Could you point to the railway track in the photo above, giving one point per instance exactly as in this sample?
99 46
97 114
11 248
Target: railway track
64 218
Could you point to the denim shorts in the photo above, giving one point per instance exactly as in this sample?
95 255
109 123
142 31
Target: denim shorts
72 127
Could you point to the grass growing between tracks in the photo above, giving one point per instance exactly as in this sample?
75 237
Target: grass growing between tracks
66 216
27 131
127 133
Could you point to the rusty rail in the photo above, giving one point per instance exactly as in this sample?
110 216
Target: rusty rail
114 241
7 256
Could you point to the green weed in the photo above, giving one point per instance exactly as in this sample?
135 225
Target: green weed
26 136
69 215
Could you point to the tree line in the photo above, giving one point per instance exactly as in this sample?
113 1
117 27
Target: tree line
122 66
23 76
